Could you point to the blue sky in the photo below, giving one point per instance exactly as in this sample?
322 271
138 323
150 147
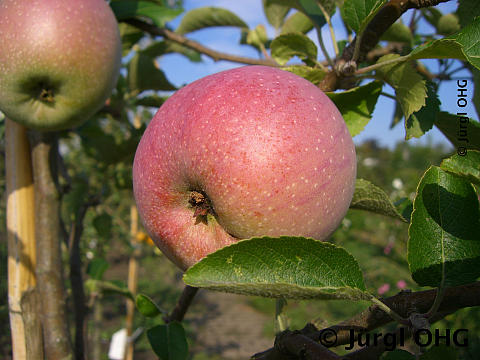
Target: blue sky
180 71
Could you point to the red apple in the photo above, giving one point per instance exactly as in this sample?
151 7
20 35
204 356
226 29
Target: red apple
246 152
59 60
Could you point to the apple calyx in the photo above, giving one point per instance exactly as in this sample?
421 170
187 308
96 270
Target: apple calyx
42 89
201 205
46 95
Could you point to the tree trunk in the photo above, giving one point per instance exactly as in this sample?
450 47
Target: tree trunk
57 342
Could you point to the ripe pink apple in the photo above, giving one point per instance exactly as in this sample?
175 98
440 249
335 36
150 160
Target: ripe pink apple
59 60
246 152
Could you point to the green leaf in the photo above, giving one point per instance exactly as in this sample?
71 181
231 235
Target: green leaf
467 11
284 267
432 15
467 166
205 17
288 3
445 48
103 225
275 13
147 306
371 198
422 120
408 84
476 89
463 133
357 105
297 22
405 207
397 115
358 13
286 46
443 244
398 354
158 13
143 74
151 101
257 37
341 45
398 32
169 341
313 11
464 45
96 268
330 6
440 352
109 287
314 75
159 48
130 36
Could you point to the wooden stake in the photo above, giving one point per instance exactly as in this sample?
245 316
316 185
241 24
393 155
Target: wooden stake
132 279
24 321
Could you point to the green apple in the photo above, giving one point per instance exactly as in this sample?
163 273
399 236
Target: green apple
59 60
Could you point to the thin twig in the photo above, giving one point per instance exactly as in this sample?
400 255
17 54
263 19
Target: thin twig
383 63
318 29
388 95
183 304
180 39
330 26
389 311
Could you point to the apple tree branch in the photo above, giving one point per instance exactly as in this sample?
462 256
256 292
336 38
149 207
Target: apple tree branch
404 303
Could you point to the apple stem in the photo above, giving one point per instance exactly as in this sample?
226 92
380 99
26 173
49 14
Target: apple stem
49 271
